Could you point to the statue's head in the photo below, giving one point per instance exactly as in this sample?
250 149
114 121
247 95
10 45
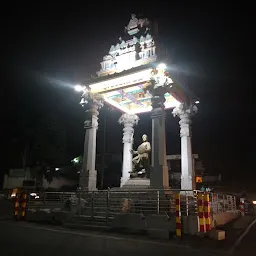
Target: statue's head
144 137
133 16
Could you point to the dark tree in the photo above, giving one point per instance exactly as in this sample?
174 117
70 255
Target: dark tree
51 143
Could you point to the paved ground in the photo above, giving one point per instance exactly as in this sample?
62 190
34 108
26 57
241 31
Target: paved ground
29 239
17 238
247 246
6 209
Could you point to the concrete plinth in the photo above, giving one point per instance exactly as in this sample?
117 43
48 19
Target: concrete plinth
134 184
217 235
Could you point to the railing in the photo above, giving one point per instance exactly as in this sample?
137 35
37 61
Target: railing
108 203
49 200
146 202
222 203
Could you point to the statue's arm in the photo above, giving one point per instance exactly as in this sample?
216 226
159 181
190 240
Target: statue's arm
134 152
148 147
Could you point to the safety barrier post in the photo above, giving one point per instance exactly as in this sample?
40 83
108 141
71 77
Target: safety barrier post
158 202
16 206
107 206
23 204
207 212
178 215
242 206
201 212
79 203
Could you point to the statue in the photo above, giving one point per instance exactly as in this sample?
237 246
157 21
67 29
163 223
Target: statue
132 27
140 163
133 22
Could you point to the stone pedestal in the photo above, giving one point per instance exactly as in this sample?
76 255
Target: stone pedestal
185 112
88 175
128 120
136 184
159 177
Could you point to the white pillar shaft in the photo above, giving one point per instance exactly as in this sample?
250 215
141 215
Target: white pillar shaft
127 162
88 176
187 172
187 175
185 112
128 120
90 148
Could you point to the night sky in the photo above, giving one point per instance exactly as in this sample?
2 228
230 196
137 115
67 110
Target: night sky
50 47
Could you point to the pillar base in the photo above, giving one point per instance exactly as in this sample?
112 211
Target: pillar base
187 182
159 177
88 180
123 181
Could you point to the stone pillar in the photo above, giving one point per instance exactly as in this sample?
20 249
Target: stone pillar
159 177
185 112
88 175
128 120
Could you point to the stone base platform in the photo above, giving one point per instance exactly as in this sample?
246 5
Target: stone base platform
135 184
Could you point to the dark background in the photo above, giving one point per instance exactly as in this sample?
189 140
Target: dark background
48 48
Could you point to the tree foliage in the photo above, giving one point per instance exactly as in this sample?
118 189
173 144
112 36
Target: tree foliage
50 146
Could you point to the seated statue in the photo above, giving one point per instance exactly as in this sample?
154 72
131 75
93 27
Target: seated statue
140 163
132 27
133 22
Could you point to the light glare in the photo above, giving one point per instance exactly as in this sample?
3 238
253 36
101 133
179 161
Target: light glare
79 88
162 66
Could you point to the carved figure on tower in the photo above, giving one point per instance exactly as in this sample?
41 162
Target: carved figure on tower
133 26
140 163
133 23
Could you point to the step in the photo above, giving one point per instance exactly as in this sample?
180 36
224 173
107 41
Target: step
86 226
89 218
86 223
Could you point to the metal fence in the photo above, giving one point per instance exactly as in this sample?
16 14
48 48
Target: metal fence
108 203
146 202
222 203
49 200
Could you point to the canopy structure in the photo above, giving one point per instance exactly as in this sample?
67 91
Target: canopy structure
135 78
127 68
127 93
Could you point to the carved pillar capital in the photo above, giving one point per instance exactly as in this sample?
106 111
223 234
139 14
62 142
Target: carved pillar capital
185 110
91 100
185 113
92 103
128 120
